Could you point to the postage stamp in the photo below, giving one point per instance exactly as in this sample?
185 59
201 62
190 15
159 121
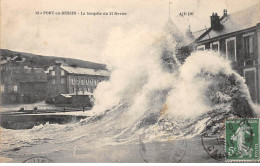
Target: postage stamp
242 140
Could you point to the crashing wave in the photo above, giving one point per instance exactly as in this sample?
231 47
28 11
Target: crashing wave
142 99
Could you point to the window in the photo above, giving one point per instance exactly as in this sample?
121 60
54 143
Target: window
215 46
79 92
201 48
62 73
249 45
2 88
53 81
82 82
231 49
15 88
78 81
250 77
53 73
62 80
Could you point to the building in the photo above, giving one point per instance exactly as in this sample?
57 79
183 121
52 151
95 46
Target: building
236 36
28 78
21 83
67 81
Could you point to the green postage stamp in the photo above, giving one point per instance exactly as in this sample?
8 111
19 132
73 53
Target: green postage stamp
242 140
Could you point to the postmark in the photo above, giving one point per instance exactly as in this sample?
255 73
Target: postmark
162 151
242 139
214 146
38 159
212 139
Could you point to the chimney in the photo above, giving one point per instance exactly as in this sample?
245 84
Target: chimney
215 22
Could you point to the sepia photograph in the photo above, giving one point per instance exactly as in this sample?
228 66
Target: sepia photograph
129 81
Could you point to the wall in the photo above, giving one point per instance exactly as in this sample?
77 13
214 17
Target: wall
239 64
54 90
57 88
87 85
31 83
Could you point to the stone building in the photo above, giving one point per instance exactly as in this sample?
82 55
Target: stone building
21 83
236 36
70 81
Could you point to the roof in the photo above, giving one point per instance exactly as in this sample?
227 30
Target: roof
84 71
8 60
16 58
66 95
49 68
199 33
3 62
234 22
70 95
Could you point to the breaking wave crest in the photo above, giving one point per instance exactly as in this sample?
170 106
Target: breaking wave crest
149 94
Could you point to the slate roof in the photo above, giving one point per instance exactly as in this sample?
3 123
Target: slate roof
197 34
84 71
237 21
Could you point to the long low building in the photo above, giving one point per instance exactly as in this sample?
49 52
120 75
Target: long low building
29 78
72 80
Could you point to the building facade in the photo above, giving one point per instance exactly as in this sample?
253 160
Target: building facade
72 80
21 83
236 36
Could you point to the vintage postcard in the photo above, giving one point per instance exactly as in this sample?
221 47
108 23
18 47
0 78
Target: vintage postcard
129 81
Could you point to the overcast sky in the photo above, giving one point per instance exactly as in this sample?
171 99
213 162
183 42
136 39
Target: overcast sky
84 37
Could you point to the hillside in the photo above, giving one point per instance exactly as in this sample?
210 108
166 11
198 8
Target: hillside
46 61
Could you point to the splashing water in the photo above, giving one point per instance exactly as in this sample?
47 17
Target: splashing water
142 97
